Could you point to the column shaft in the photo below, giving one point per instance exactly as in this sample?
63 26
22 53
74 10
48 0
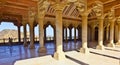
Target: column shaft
25 36
111 44
59 54
84 48
41 36
44 35
119 33
118 43
100 35
31 36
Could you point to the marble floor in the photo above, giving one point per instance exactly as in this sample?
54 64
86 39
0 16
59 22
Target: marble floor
9 54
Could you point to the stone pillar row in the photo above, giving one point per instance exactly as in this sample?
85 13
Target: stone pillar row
59 54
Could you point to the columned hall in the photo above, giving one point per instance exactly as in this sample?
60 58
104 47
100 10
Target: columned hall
83 31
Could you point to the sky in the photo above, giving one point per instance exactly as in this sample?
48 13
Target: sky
49 29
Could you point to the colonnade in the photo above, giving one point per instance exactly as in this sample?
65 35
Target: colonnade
59 54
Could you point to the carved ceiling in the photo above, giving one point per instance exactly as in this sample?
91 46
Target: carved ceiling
15 10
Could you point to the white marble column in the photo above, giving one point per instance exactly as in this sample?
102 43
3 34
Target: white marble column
41 35
100 34
25 36
84 48
59 54
111 44
32 46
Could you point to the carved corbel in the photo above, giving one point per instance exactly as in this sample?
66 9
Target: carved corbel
31 14
118 20
81 5
98 8
42 7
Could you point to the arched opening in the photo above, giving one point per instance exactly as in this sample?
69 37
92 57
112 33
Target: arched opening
28 33
73 33
68 35
8 30
49 33
36 33
76 33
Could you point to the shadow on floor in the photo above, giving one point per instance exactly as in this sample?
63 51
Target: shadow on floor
105 55
77 61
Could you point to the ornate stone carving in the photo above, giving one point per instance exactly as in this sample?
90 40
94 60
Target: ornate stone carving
31 14
81 6
111 14
118 20
98 8
42 6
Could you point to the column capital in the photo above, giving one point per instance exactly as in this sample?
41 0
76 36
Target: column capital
31 14
111 14
42 8
118 20
98 8
24 23
112 20
59 6
85 14
81 5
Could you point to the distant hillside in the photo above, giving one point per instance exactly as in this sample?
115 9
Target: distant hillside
9 33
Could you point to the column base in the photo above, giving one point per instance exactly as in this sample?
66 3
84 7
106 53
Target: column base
59 56
42 50
25 44
84 50
100 47
118 43
110 45
32 47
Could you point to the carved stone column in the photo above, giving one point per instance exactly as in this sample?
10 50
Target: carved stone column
111 44
25 36
84 48
59 54
32 46
107 33
42 8
100 34
41 35
31 15
118 22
